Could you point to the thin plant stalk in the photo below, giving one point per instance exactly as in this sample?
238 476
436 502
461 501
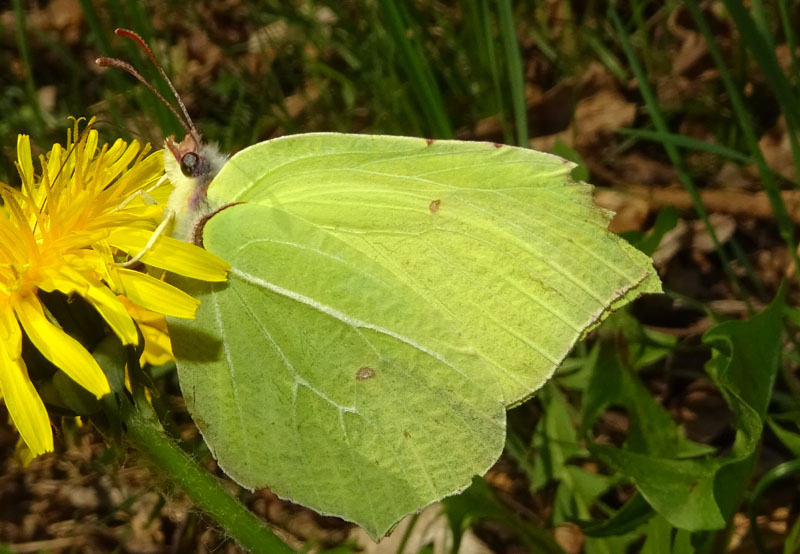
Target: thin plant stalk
205 490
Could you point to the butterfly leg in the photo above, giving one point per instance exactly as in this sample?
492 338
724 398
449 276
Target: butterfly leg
144 194
169 216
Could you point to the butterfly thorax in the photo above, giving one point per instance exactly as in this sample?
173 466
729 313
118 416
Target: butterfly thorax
190 166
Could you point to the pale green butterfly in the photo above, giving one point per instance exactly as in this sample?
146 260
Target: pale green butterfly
389 298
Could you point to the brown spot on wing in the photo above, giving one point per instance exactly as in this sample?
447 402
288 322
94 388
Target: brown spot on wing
364 373
498 145
434 206
430 141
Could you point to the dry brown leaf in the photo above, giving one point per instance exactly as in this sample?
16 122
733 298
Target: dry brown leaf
600 115
431 528
569 537
63 16
690 54
671 243
724 226
777 150
731 176
633 168
630 212
46 96
595 78
734 202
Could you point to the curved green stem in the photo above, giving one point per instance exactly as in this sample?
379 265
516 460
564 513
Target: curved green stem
769 479
205 490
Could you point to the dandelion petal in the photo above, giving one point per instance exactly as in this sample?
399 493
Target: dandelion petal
112 310
171 254
157 295
61 349
26 408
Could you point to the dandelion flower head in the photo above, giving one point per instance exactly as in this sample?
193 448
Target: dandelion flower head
76 214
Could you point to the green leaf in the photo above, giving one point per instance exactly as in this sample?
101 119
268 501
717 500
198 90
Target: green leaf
62 392
576 493
611 545
652 429
554 440
702 494
792 544
680 490
629 517
682 544
744 363
110 354
389 298
790 440
660 539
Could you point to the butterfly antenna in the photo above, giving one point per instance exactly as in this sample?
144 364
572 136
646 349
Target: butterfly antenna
125 66
140 41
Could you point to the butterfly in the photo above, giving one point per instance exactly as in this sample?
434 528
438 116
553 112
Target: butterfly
389 299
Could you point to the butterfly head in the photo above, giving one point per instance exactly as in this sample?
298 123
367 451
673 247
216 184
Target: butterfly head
192 158
190 165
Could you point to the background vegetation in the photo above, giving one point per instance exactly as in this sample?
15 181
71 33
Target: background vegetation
675 428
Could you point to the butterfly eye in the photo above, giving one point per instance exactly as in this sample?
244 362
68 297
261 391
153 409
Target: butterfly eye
189 163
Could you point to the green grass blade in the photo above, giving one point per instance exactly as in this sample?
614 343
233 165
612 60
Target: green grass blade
131 16
100 39
141 20
604 54
95 27
540 40
749 270
672 151
25 54
782 218
484 20
789 32
688 143
639 35
412 523
418 70
761 20
770 478
760 45
515 74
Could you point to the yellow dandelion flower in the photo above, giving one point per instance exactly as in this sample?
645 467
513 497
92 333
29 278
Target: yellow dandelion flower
59 232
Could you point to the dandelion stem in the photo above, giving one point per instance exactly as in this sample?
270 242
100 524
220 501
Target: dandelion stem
206 491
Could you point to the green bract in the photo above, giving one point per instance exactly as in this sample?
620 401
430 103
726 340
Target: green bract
389 299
